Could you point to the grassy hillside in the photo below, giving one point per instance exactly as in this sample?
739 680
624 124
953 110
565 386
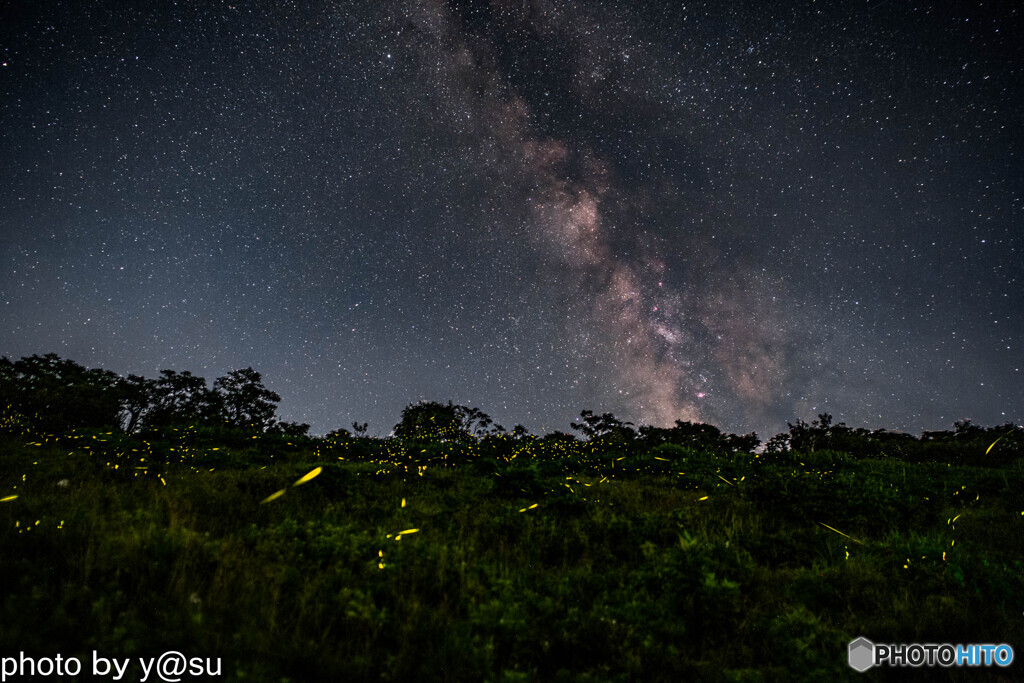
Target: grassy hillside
514 561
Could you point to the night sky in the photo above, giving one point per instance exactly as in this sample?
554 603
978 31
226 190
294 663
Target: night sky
742 213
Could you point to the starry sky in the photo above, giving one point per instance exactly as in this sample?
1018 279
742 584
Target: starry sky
741 213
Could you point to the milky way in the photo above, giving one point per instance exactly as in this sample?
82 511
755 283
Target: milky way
666 351
735 213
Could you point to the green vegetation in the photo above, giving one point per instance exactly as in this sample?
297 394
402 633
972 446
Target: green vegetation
461 552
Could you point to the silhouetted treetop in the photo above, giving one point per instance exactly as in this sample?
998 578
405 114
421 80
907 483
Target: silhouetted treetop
246 402
433 421
55 394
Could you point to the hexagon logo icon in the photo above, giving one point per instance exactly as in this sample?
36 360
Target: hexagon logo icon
862 654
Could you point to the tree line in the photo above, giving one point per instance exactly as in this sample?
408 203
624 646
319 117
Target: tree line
53 395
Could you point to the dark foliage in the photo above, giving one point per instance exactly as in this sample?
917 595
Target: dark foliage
55 394
48 394
433 421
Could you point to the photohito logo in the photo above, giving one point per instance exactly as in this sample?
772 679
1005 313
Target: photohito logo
863 654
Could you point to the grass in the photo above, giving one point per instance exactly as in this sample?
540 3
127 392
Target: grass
662 566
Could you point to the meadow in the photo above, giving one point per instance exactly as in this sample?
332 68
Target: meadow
500 559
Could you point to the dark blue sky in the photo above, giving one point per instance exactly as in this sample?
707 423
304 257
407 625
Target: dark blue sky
740 213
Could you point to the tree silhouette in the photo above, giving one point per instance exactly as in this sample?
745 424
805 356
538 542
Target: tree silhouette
55 394
520 432
246 403
807 438
596 426
295 429
433 421
182 398
700 436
